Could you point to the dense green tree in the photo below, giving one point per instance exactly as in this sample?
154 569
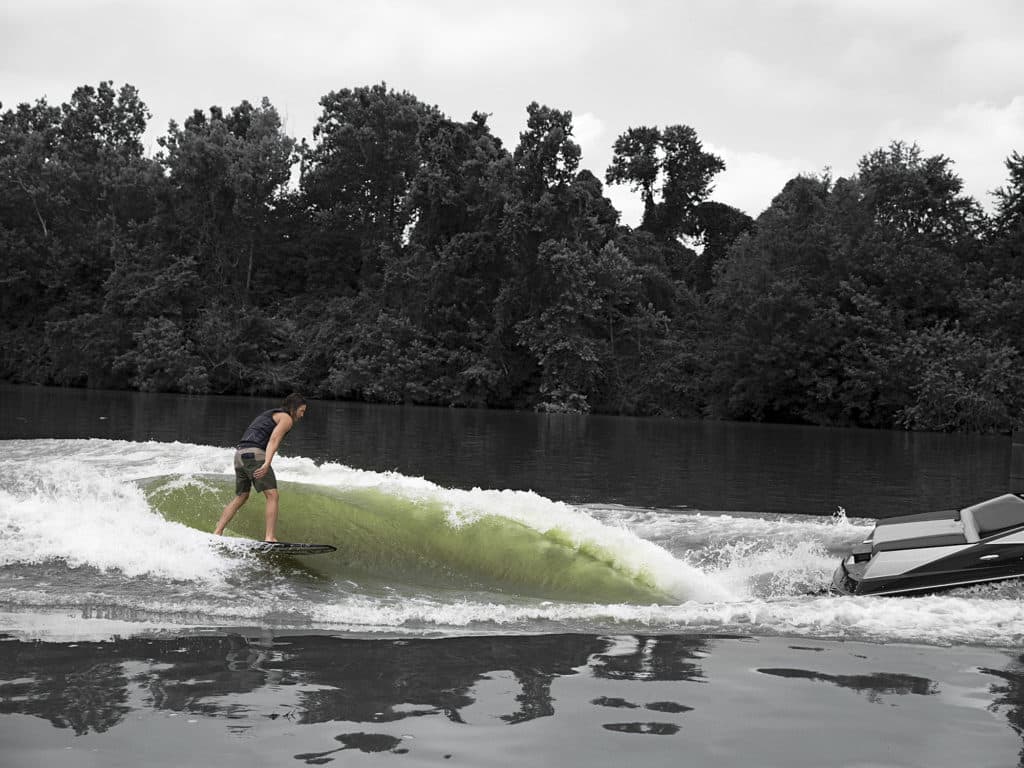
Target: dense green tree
75 184
717 226
571 331
544 190
546 156
922 230
836 307
420 261
31 185
637 162
460 185
1008 227
184 291
106 182
959 382
435 294
990 300
767 292
226 174
357 182
669 164
31 198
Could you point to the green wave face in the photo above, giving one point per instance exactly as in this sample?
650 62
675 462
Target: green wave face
411 542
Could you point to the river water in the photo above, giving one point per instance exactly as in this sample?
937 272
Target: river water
508 588
650 463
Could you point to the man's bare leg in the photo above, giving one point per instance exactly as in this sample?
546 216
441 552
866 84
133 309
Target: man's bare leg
229 511
272 505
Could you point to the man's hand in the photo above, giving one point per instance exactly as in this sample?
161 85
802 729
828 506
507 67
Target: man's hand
264 468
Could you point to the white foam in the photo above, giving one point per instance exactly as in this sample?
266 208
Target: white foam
924 620
73 501
768 556
670 526
60 627
930 620
772 568
74 510
181 611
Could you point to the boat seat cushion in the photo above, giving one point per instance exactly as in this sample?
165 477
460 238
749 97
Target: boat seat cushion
918 533
994 515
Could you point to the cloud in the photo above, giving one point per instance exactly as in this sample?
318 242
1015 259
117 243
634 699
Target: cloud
977 136
589 132
627 203
595 142
991 65
779 87
751 179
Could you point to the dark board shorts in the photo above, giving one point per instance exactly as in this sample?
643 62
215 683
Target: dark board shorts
247 461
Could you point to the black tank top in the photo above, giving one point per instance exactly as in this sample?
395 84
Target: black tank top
257 434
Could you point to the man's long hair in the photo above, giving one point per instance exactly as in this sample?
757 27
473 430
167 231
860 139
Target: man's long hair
292 403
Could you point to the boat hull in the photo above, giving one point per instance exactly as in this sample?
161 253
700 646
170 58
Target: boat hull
849 583
929 552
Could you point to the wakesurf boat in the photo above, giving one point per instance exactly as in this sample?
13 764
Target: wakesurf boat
938 550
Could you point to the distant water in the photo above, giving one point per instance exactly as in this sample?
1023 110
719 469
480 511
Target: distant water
489 566
649 463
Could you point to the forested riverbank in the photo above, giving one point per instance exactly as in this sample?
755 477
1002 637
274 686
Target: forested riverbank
406 256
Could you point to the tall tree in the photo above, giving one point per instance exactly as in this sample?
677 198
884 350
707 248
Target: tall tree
551 202
991 301
637 161
357 181
1007 251
546 156
922 230
31 195
766 348
227 173
717 226
669 164
565 332
435 305
75 184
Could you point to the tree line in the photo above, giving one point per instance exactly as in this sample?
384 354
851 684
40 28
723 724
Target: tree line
403 256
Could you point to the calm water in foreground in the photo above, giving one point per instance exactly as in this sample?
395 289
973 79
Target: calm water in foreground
509 589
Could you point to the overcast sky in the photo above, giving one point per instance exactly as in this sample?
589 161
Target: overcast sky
776 87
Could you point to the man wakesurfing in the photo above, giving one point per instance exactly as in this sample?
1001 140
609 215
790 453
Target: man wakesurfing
253 456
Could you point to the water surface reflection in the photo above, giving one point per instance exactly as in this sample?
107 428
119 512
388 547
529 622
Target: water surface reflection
315 698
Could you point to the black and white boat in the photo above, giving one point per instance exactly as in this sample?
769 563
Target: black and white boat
938 550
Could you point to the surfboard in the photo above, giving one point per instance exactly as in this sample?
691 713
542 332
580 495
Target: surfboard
289 548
